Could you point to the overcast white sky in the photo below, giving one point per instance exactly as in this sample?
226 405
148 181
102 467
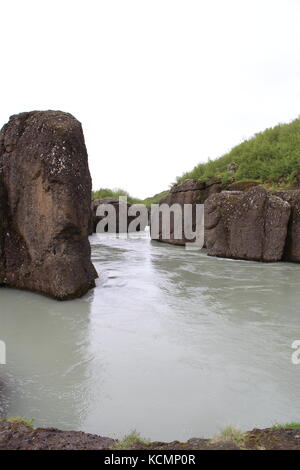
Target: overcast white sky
159 85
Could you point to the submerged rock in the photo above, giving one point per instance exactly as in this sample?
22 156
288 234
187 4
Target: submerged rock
45 198
250 226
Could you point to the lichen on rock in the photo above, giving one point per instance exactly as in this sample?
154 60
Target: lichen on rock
45 189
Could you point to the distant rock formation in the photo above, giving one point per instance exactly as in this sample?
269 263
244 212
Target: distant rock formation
45 198
242 219
195 192
117 205
249 226
192 192
292 246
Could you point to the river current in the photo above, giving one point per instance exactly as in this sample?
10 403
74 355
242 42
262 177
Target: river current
171 343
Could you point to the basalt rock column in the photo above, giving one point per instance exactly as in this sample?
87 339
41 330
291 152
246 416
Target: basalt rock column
292 246
193 192
190 192
250 226
45 190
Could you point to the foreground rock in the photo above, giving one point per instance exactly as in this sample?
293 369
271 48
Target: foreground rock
249 226
19 436
45 198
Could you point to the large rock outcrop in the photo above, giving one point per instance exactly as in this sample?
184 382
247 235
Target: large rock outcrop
249 226
193 191
242 219
45 198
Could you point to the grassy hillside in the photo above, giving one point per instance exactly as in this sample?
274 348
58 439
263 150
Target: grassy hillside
155 199
270 156
114 193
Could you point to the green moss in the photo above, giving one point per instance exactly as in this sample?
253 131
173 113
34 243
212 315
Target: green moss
21 420
233 201
287 426
243 185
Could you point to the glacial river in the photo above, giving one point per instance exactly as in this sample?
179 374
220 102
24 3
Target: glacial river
171 343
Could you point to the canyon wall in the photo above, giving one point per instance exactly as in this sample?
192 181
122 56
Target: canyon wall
250 226
243 220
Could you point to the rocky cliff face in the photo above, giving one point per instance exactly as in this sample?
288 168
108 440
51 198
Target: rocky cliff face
195 192
250 226
45 198
189 192
243 220
292 246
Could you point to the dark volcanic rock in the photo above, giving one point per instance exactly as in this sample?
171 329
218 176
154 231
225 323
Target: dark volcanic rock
242 219
218 212
292 247
250 226
195 192
192 192
45 198
19 436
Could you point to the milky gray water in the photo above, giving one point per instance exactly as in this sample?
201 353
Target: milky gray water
171 343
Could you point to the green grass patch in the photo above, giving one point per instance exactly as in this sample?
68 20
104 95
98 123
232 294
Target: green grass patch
21 420
155 199
103 193
131 441
286 426
230 434
269 156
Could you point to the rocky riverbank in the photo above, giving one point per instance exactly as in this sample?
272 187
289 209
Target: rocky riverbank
243 220
20 436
